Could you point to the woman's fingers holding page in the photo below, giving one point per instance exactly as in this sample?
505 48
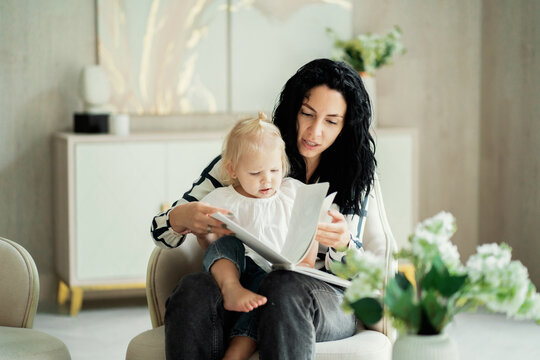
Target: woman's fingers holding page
336 234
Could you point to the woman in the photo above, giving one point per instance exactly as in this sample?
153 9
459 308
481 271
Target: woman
324 116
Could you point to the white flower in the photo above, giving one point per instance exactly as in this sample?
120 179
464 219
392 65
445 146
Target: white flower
531 306
501 284
432 238
360 288
367 271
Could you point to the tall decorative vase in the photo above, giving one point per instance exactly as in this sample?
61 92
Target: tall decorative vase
371 88
425 347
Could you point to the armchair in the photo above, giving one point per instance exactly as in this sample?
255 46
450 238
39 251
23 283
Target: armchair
19 294
167 266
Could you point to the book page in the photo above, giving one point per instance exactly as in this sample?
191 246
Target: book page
304 220
327 203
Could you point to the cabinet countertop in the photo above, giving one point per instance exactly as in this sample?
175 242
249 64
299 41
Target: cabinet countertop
186 135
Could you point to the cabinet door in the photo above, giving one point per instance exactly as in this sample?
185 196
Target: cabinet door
186 160
118 189
396 169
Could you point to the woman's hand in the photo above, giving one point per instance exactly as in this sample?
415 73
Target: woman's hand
311 257
195 217
335 234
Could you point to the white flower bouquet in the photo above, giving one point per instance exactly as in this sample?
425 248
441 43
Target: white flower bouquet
443 286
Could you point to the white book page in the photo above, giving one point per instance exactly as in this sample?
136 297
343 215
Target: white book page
327 203
305 216
250 240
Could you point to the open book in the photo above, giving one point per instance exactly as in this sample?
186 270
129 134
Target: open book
310 207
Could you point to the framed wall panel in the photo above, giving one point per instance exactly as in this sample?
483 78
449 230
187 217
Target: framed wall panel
216 56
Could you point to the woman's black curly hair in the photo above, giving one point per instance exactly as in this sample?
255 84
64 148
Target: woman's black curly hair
349 163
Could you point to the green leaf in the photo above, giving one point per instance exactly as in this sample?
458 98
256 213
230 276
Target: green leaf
402 281
436 275
439 278
434 310
425 327
431 279
401 303
452 284
368 310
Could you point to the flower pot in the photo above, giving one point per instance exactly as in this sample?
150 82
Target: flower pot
425 347
371 88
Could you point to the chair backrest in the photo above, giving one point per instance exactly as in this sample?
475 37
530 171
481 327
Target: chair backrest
167 266
19 286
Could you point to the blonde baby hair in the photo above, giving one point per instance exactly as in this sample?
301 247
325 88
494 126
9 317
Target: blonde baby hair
250 135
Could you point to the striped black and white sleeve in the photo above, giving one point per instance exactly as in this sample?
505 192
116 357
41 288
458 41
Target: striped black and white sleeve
161 230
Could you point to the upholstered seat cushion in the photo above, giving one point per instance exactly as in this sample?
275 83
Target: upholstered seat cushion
147 345
19 344
366 345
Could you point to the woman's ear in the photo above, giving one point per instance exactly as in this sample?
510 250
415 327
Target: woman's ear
230 170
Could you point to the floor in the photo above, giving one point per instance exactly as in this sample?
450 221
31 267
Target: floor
102 330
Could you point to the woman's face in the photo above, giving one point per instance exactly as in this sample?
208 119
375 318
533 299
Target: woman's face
319 122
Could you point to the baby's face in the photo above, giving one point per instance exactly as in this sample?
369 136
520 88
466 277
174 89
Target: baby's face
260 172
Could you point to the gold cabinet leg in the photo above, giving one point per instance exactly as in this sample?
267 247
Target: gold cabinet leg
76 300
63 293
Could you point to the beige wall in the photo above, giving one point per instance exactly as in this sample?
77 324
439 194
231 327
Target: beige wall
440 86
510 141
435 87
43 45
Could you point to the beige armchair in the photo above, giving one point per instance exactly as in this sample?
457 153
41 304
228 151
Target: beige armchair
167 266
19 294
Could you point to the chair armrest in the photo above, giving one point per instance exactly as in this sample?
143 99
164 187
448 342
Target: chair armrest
19 286
165 268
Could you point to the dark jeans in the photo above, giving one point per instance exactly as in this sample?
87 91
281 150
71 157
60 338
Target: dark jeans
300 311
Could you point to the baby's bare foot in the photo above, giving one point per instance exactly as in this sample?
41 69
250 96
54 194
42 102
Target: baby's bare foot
238 298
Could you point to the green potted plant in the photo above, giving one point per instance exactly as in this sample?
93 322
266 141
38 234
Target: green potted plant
368 52
443 287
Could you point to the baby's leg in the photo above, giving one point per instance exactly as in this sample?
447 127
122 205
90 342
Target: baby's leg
235 296
241 347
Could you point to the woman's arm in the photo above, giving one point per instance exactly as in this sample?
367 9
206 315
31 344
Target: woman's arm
188 214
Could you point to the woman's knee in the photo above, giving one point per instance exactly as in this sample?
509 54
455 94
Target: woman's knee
283 285
193 289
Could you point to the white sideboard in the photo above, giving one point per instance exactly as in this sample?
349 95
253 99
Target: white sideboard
108 188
